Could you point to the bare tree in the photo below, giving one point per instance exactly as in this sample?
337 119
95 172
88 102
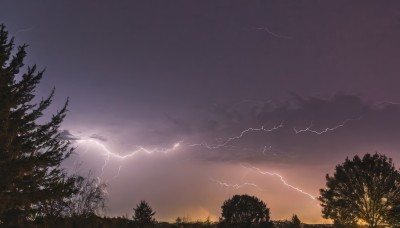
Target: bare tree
89 198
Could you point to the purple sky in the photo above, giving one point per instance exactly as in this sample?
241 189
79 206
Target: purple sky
186 103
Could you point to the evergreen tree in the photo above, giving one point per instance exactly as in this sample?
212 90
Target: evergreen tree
143 214
295 222
30 152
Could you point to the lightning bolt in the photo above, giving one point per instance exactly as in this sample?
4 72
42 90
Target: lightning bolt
281 178
235 186
108 153
119 170
272 33
391 103
216 146
139 149
266 149
328 129
394 103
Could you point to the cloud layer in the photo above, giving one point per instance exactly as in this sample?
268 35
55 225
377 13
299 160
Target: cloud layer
205 158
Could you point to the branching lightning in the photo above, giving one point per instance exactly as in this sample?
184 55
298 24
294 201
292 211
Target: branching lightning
328 129
108 153
235 186
266 149
226 142
139 149
281 178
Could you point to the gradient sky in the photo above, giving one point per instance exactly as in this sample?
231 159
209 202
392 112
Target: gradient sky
175 84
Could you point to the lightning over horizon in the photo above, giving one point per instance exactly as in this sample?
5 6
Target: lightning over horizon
328 129
281 179
229 140
235 186
132 153
108 153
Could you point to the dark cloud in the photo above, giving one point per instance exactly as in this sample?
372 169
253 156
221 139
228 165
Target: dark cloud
326 128
98 137
179 126
152 73
67 135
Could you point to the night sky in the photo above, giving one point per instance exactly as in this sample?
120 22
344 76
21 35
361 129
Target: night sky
186 103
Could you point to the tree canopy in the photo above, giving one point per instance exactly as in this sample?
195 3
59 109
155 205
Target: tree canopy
143 214
245 210
363 191
30 152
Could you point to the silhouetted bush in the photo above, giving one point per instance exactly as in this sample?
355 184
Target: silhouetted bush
245 211
186 222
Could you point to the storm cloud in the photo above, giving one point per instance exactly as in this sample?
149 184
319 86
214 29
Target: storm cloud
177 102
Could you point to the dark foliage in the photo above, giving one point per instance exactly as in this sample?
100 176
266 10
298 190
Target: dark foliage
366 189
295 222
186 222
245 211
30 152
143 215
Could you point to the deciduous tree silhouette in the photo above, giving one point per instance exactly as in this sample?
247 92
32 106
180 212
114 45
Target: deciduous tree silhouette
89 198
363 190
143 215
245 211
30 152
